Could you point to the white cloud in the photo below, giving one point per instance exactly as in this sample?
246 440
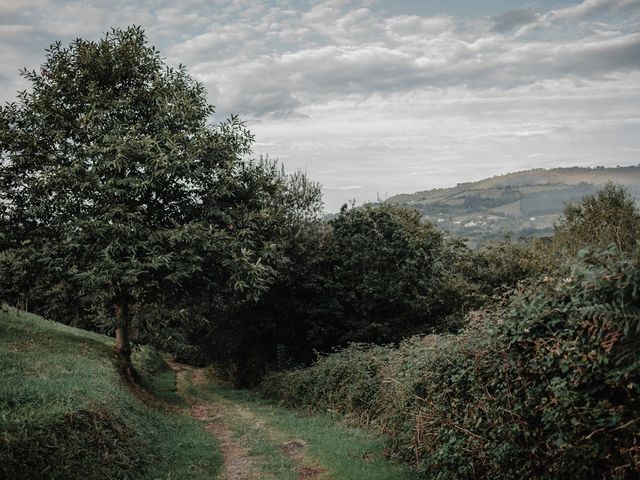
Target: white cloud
575 13
587 8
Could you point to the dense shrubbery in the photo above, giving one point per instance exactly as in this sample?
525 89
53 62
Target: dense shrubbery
544 387
374 274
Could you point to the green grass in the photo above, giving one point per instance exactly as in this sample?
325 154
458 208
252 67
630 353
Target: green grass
347 452
156 376
263 449
65 412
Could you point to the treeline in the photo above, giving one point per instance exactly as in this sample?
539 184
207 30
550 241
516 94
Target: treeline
375 274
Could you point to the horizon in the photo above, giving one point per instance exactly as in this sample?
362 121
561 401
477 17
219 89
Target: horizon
375 98
515 172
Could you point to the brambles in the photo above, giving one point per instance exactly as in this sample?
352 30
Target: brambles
544 387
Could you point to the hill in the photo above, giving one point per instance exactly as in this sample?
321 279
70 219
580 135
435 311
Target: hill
66 413
522 203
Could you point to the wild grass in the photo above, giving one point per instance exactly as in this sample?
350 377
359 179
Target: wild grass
65 413
345 451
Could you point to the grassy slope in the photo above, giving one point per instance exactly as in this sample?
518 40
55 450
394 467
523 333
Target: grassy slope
65 413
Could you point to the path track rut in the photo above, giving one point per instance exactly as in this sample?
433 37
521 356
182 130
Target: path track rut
217 414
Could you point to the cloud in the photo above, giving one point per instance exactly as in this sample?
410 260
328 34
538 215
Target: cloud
508 21
411 26
384 102
289 82
586 9
263 60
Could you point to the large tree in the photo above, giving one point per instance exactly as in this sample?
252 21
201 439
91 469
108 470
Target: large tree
114 184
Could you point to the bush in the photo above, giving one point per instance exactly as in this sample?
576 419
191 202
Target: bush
546 386
610 216
387 272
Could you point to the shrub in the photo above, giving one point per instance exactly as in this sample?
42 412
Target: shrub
610 216
545 386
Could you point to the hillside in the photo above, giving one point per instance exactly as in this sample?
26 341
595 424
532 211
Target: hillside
522 203
65 413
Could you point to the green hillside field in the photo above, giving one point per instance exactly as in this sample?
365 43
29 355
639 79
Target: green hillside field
66 413
520 204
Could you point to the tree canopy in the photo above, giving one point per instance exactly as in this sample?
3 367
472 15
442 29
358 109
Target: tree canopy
115 186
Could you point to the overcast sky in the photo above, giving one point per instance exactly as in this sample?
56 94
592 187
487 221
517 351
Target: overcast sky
374 98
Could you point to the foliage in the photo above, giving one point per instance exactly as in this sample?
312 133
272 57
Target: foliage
323 297
374 274
119 197
388 273
497 268
610 216
242 336
546 386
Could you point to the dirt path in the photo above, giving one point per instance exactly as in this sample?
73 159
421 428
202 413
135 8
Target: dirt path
222 418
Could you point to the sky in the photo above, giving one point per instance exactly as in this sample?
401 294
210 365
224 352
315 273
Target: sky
372 98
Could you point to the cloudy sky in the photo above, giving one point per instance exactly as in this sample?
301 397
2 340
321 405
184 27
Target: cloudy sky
375 97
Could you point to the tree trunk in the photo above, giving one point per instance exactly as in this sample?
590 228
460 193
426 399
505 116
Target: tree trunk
123 345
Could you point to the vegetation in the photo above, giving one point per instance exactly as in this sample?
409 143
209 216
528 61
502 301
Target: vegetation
608 217
373 274
122 210
544 387
66 413
120 199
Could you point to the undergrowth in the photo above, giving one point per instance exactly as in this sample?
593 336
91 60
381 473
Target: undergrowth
65 413
544 386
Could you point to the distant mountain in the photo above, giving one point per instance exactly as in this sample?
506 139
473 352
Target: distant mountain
521 204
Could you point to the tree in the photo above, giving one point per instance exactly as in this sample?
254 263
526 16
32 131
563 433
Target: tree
113 183
387 272
247 338
610 216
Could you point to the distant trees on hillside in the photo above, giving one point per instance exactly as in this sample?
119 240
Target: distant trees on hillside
609 216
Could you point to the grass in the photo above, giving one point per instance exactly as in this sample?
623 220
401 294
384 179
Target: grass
346 452
65 412
156 376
